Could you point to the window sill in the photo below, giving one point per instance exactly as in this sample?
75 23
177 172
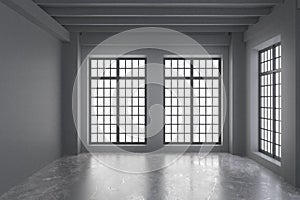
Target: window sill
118 145
267 158
195 145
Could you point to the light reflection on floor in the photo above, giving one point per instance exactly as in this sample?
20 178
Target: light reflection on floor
217 176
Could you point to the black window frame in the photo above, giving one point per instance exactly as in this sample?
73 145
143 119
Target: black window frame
117 78
192 78
275 70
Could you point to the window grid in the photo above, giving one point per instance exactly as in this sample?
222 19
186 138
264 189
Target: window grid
270 101
192 101
117 101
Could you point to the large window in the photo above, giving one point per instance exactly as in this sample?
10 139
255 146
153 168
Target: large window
270 101
192 100
117 101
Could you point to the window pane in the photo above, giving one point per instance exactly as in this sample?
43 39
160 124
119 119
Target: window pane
117 97
192 96
270 101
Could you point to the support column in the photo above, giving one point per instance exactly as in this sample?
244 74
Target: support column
237 99
70 65
298 94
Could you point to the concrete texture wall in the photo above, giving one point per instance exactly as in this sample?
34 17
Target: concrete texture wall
30 61
279 26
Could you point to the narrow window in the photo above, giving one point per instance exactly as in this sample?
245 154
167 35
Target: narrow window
117 101
192 100
270 101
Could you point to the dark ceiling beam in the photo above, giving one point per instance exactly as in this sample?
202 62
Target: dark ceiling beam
186 29
155 11
119 21
158 2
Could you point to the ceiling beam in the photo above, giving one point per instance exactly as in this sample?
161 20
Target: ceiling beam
211 39
155 11
158 2
186 29
124 21
39 17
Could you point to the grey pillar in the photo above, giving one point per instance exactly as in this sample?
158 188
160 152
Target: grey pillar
237 116
70 63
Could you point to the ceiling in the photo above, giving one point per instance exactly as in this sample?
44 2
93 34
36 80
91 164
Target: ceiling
181 15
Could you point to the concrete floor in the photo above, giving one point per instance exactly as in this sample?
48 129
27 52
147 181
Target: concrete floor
217 176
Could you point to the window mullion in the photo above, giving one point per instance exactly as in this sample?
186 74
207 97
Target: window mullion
118 100
274 100
191 102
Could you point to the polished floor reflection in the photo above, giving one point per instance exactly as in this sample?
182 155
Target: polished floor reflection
216 176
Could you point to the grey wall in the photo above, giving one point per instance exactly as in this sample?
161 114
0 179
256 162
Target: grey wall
214 44
281 24
30 98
